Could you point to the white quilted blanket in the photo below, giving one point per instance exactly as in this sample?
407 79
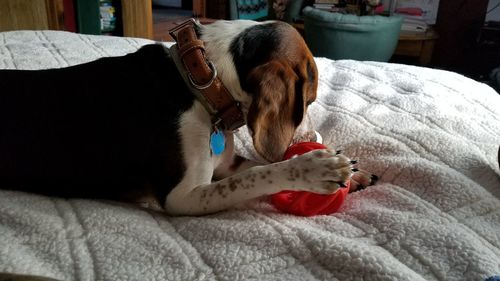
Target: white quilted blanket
431 135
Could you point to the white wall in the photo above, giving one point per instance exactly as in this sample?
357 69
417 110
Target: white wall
429 7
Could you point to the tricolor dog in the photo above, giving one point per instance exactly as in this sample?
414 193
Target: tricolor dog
156 126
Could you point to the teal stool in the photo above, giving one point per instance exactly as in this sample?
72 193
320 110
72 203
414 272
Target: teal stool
248 9
263 10
342 36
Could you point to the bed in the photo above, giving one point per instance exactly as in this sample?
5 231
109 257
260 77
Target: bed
431 135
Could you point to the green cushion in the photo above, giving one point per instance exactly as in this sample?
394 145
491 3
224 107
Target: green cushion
344 36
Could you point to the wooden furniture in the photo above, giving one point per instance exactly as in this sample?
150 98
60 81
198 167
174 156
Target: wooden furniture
200 8
458 24
137 16
161 29
30 14
420 45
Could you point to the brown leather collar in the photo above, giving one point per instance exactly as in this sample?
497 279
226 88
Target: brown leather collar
202 78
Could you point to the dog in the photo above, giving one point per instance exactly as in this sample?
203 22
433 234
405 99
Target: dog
133 127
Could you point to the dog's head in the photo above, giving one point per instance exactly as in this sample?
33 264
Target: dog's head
269 69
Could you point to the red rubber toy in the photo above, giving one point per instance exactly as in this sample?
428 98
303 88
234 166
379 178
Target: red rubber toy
303 203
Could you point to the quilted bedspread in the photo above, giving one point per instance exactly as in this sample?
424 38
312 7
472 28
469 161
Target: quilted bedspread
432 136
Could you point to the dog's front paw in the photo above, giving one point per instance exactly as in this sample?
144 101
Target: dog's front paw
361 179
320 171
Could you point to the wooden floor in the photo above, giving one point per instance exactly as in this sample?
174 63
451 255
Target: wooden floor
165 18
161 28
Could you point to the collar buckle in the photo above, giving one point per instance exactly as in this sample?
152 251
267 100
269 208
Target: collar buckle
209 83
190 58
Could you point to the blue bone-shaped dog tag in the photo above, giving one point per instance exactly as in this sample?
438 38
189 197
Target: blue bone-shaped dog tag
217 142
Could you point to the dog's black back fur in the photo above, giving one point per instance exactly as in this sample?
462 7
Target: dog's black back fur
99 129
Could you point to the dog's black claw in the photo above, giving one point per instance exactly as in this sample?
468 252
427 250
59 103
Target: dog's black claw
374 179
354 170
354 162
338 152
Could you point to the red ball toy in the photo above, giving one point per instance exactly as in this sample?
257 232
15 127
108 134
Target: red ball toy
303 203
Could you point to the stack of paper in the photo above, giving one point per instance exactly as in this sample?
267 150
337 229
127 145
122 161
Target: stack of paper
325 4
414 24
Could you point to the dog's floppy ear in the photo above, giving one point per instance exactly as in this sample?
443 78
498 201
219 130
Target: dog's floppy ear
277 108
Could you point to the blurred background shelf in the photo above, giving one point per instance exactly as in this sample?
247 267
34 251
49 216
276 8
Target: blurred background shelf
134 18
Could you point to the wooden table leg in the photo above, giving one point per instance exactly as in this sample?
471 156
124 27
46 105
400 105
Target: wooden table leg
426 52
137 18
